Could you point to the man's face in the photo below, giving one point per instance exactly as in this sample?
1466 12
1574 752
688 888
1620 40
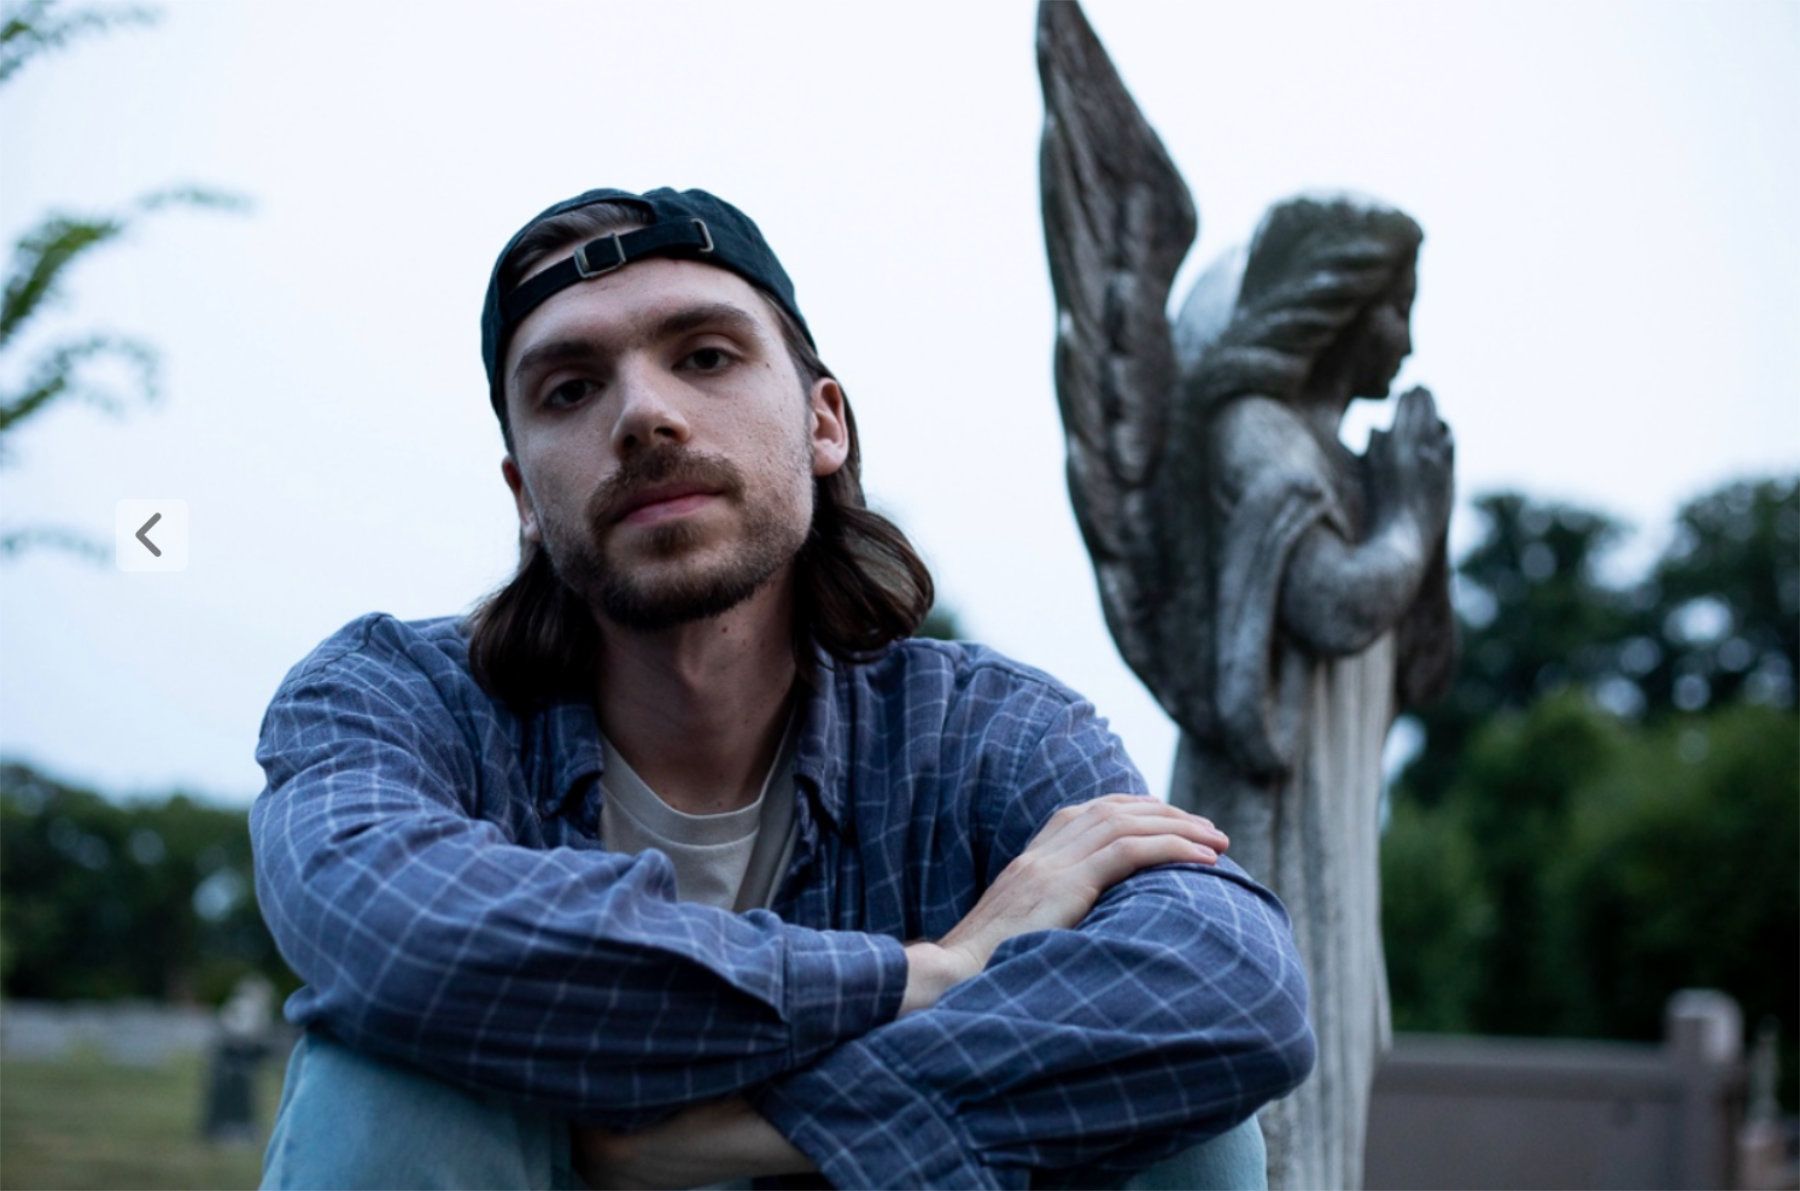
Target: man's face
664 449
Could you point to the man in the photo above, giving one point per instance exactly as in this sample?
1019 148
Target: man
679 861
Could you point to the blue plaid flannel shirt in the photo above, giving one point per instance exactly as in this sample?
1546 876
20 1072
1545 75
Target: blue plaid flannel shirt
428 863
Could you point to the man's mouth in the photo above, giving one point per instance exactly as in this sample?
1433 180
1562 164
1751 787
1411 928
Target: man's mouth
660 503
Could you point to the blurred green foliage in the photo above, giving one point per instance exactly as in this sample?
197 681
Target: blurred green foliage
1606 808
1716 619
941 622
104 369
100 899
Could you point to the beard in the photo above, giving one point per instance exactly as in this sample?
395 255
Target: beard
676 577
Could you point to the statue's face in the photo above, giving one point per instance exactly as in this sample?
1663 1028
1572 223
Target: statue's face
1383 336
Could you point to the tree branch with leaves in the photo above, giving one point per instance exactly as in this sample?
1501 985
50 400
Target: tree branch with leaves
71 367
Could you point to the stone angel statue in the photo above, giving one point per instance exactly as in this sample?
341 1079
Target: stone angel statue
1282 596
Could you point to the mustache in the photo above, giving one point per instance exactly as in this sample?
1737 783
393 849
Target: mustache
667 465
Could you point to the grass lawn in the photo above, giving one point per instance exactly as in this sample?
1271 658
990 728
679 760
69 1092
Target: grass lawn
88 1123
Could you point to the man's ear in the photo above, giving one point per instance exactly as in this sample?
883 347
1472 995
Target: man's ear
528 526
830 427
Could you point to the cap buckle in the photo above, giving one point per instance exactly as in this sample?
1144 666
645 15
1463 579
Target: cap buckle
585 270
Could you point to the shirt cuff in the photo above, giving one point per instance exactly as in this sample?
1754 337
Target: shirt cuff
864 1126
841 989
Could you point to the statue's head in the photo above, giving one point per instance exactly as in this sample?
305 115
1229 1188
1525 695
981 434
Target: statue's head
1327 283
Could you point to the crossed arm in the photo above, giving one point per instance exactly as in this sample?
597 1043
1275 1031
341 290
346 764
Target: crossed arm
575 980
1084 850
1166 1014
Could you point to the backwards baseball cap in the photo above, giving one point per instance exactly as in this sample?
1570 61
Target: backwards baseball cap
686 224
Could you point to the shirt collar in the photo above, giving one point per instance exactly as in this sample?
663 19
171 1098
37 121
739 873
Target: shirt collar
567 736
568 743
819 756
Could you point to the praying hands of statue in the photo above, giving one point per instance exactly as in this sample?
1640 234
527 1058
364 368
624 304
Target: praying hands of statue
1337 596
1412 466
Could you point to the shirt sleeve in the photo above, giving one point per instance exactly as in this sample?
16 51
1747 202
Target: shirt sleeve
1171 1013
570 977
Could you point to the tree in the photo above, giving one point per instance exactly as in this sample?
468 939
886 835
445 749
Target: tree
1680 871
942 623
70 367
1436 918
1533 615
38 26
1584 868
101 900
1717 620
1604 811
1719 617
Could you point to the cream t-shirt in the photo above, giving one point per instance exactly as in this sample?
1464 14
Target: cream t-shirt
734 860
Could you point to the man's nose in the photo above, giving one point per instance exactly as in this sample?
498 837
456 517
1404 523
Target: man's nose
647 411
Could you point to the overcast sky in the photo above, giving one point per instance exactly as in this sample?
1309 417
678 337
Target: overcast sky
1607 307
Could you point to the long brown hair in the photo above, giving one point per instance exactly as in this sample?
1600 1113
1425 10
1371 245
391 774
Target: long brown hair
859 584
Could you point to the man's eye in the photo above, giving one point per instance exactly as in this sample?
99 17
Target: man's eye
568 393
709 359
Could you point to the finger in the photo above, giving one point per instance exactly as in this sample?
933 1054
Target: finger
1429 421
1076 814
1402 415
1123 857
1424 408
1407 422
1077 849
1094 821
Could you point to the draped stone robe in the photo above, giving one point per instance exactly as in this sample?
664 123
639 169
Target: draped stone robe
1293 772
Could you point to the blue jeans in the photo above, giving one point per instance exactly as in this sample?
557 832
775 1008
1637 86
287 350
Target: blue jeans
347 1120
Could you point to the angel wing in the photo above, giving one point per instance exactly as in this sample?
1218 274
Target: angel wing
1117 222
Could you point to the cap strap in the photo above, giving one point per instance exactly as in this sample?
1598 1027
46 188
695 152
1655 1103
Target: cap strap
601 256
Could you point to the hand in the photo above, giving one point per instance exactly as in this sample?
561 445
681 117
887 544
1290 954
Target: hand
1084 850
1413 467
716 1142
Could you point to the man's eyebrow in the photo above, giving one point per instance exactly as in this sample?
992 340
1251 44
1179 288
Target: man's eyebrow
692 318
576 349
557 351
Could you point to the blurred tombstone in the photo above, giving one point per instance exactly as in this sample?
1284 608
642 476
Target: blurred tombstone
239 1048
1492 1113
1705 1031
1762 1144
1283 597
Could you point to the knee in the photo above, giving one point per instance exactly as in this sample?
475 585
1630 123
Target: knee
1235 1160
350 1120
